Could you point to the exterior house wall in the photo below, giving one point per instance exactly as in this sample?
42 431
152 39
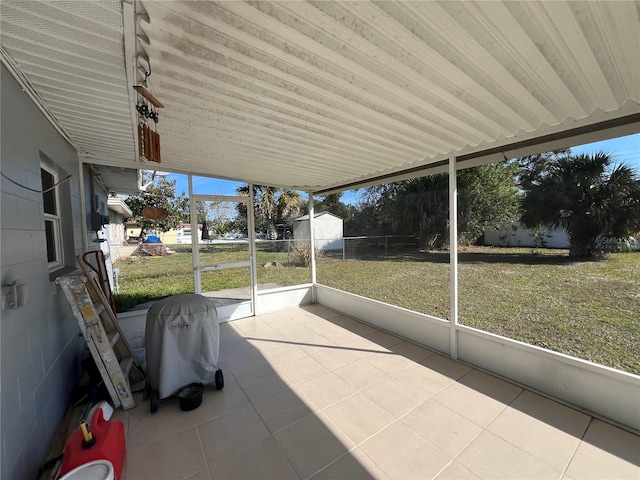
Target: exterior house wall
116 230
515 235
328 230
40 344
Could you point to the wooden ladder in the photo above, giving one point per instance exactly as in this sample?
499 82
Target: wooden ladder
112 353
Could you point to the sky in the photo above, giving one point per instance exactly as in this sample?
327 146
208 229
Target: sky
624 150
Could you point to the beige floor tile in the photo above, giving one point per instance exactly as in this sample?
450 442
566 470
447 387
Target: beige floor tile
353 466
230 337
384 339
411 351
343 320
442 427
494 387
315 344
543 428
145 427
280 321
321 311
262 460
401 453
606 452
328 330
312 444
423 379
245 362
336 357
360 374
388 362
223 435
284 408
174 456
478 397
489 456
219 402
360 328
445 366
358 417
302 369
359 344
282 353
297 332
394 396
326 389
455 471
264 343
262 383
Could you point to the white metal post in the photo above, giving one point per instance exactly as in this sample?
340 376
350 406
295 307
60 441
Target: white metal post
453 255
251 230
83 208
312 245
195 251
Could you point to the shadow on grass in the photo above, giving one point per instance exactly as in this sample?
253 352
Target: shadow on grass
469 257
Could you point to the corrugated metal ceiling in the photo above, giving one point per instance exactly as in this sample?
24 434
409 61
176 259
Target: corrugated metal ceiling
72 53
316 95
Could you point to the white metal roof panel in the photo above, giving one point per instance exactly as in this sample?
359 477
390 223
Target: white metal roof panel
317 95
72 52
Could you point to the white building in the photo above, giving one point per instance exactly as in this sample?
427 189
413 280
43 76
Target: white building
513 234
328 230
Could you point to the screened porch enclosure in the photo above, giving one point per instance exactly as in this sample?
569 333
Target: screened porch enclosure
318 97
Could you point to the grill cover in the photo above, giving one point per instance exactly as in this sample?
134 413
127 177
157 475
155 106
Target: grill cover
182 343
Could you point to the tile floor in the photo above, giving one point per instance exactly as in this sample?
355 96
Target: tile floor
310 393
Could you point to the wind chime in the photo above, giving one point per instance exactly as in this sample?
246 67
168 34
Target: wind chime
148 136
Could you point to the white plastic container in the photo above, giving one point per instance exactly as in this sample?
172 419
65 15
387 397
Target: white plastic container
95 470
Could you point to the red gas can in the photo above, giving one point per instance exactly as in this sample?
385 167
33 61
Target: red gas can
109 445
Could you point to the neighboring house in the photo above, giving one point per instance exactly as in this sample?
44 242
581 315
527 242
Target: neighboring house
42 233
179 235
328 230
513 234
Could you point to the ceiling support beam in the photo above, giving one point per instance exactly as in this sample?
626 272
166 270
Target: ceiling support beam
613 128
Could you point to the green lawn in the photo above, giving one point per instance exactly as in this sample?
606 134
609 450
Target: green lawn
590 310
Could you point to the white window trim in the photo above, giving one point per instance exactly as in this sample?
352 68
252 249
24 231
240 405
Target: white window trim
56 221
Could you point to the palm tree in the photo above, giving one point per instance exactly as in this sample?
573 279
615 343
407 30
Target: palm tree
587 197
272 206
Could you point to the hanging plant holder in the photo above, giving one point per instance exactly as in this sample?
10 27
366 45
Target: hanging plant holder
155 213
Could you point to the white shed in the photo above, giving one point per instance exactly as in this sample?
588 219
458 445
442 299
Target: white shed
328 230
515 235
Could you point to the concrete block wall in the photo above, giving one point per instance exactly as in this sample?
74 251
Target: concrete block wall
40 347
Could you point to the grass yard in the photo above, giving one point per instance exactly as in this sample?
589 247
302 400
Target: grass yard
590 310
150 278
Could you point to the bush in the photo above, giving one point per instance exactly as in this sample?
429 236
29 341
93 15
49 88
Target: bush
302 249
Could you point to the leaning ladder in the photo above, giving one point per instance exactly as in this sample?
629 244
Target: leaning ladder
108 345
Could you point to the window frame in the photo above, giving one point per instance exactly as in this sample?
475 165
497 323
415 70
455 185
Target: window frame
54 220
